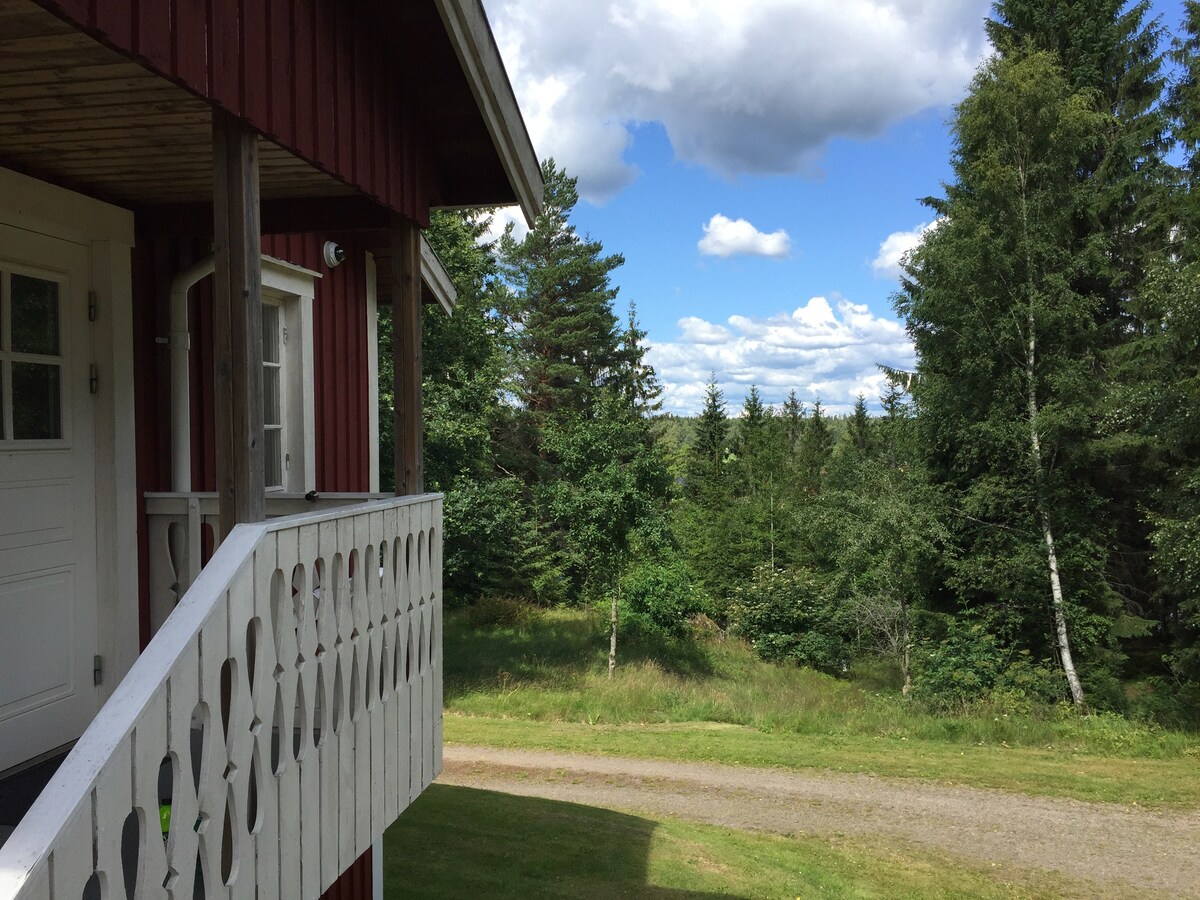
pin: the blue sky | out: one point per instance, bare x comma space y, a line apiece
750, 160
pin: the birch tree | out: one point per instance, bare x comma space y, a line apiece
1007, 345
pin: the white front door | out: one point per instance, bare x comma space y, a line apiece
47, 496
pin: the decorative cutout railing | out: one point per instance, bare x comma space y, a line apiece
283, 716
184, 529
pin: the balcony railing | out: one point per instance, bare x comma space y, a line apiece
184, 530
286, 712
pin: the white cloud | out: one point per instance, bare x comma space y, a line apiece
824, 349
725, 237
895, 247
739, 87
499, 220
697, 331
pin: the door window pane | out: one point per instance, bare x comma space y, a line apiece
270, 323
36, 392
272, 408
34, 311
273, 458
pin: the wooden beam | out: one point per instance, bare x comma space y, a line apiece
279, 216
237, 322
406, 357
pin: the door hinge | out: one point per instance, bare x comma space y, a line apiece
97, 669
92, 305
93, 379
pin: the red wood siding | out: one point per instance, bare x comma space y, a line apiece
339, 361
355, 883
339, 357
319, 77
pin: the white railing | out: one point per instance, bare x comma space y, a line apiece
284, 715
184, 527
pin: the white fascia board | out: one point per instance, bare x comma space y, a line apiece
471, 34
437, 279
288, 277
49, 209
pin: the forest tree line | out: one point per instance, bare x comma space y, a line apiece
1022, 520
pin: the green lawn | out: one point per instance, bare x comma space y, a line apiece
458, 842
543, 684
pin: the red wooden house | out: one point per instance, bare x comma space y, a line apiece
202, 204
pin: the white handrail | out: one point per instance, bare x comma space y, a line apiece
291, 704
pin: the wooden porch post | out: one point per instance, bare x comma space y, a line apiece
406, 357
237, 322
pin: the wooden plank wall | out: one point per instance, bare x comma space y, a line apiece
320, 77
340, 359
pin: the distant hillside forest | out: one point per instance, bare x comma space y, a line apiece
1020, 526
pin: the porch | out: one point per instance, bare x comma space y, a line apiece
294, 700
266, 665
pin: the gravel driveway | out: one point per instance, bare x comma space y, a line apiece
1118, 849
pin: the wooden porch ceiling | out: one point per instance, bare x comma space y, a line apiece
76, 113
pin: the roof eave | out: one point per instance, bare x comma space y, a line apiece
471, 34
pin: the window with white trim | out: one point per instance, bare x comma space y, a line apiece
289, 419
275, 461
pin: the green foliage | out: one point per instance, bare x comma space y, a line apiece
491, 611
789, 615
658, 596
969, 667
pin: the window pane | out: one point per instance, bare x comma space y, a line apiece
2, 416
271, 410
34, 315
37, 412
270, 322
273, 462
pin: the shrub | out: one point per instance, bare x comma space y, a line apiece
970, 666
789, 615
659, 596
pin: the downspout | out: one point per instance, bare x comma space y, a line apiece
180, 342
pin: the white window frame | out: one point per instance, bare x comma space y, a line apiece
63, 359
292, 288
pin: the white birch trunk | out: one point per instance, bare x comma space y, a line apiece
612, 638
1035, 452
1056, 593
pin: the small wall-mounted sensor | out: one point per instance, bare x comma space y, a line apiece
334, 255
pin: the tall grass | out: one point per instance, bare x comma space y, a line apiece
551, 665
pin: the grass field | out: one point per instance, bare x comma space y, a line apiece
459, 842
541, 682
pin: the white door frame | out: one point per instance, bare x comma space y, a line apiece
108, 232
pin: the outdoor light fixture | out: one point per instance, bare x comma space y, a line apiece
334, 254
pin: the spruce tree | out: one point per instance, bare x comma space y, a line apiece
859, 429
793, 418
1007, 346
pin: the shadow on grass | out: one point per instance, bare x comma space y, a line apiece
463, 842
553, 649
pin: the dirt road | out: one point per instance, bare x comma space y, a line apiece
1116, 848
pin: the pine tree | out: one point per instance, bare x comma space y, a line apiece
579, 440
565, 332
